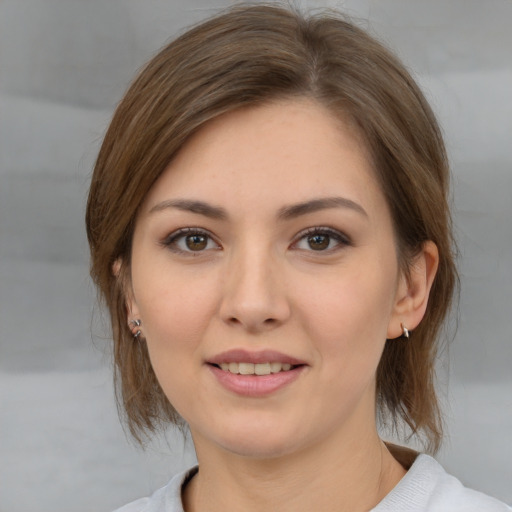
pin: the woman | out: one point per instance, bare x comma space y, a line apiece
269, 228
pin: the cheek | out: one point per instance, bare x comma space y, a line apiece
175, 316
176, 310
348, 314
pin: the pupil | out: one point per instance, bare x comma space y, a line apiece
196, 242
318, 242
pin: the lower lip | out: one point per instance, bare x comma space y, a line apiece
255, 385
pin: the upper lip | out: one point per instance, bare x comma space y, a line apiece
260, 356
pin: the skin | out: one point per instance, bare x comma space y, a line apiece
256, 281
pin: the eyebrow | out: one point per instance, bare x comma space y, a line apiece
285, 213
187, 205
315, 205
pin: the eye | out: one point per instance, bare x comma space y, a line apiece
190, 240
320, 239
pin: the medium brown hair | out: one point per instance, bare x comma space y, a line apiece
249, 55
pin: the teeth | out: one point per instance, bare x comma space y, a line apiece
262, 369
275, 367
255, 369
246, 368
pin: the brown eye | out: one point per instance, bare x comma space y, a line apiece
196, 242
319, 242
322, 240
191, 241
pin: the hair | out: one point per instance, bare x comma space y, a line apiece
249, 55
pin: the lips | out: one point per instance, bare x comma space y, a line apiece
262, 356
255, 373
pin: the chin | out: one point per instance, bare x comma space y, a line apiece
259, 447
254, 439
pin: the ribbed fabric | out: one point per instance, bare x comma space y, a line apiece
425, 488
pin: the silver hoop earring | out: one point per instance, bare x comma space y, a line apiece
134, 327
405, 331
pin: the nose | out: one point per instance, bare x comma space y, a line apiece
254, 295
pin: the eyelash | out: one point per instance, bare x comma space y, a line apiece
172, 240
341, 239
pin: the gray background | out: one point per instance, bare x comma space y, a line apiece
63, 66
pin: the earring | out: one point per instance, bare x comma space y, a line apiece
134, 327
405, 331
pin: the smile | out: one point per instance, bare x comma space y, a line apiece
255, 373
255, 368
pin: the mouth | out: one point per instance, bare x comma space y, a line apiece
255, 373
244, 368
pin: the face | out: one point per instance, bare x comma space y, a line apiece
265, 273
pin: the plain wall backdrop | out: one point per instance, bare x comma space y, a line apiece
63, 66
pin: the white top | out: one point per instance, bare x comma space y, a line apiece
426, 487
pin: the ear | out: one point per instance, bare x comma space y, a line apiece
120, 272
413, 290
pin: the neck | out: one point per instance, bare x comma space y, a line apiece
331, 476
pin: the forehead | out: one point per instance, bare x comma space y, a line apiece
281, 152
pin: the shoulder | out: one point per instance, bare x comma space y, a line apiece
428, 488
166, 499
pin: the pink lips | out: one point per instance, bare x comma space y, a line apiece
255, 385
262, 356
